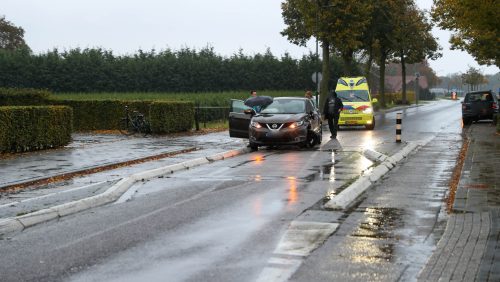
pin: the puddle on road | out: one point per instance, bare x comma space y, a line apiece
379, 223
371, 251
343, 169
340, 161
376, 232
258, 159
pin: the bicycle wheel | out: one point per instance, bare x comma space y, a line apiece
145, 129
142, 126
126, 127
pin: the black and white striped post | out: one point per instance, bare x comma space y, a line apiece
398, 128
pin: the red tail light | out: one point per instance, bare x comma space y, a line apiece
494, 106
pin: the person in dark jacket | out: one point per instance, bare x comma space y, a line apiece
331, 110
253, 94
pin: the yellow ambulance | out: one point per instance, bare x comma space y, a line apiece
358, 103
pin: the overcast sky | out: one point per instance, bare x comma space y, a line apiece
125, 26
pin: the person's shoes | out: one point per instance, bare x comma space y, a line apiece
333, 137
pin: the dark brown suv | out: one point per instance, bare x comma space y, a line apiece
479, 105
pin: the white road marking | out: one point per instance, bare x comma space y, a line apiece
300, 239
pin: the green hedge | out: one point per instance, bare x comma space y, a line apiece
167, 117
102, 115
184, 70
23, 97
29, 128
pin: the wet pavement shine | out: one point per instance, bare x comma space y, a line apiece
470, 247
399, 230
88, 151
391, 232
94, 151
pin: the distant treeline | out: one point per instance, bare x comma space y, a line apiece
186, 70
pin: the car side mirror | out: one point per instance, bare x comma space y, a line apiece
249, 112
374, 100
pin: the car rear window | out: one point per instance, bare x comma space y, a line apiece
478, 97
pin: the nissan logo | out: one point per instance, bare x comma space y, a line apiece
274, 126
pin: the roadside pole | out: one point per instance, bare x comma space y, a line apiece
398, 127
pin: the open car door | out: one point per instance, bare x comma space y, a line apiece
239, 120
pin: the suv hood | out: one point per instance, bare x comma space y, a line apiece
278, 118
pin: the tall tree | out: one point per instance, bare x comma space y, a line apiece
475, 26
384, 13
413, 39
473, 78
336, 24
11, 36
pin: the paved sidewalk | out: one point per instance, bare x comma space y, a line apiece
469, 249
97, 150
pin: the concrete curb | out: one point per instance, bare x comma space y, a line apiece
89, 170
18, 223
348, 195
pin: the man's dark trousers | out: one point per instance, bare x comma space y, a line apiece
333, 125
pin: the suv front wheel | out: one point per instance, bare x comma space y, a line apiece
371, 126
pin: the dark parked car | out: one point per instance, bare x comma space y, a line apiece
479, 105
286, 121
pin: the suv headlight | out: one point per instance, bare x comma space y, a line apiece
368, 110
296, 124
255, 124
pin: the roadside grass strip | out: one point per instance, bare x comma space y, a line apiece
18, 223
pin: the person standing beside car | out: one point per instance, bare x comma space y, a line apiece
253, 94
331, 111
309, 95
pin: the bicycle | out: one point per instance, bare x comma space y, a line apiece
133, 123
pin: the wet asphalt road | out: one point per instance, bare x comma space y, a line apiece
222, 221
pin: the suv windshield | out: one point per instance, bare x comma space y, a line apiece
353, 95
285, 106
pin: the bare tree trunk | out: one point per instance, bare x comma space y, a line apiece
347, 57
325, 73
368, 66
403, 74
383, 58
